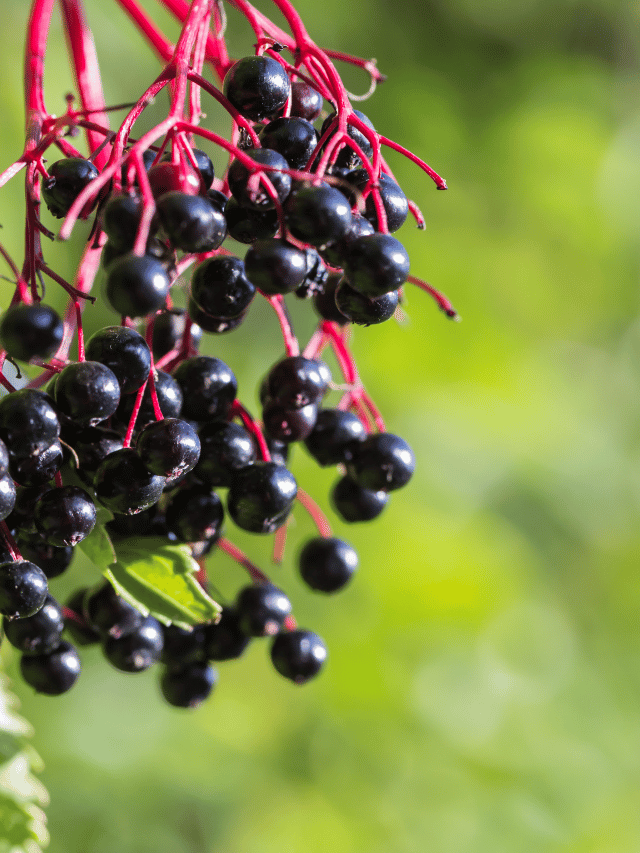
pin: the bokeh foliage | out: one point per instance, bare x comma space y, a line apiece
483, 690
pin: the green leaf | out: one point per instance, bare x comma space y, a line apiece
159, 578
97, 546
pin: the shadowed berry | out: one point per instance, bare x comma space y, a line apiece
30, 331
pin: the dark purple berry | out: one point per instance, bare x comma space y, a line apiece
170, 447
318, 215
306, 102
248, 188
262, 609
195, 514
67, 178
125, 485
87, 392
37, 634
28, 421
65, 516
166, 177
296, 381
257, 86
214, 325
335, 436
294, 138
382, 461
125, 352
53, 673
275, 267
136, 286
261, 497
39, 469
169, 400
298, 655
226, 448
182, 647
208, 386
225, 640
347, 158
363, 310
353, 502
191, 222
120, 220
221, 288
325, 302
376, 264
137, 650
288, 424
52, 560
108, 613
23, 589
327, 564
30, 331
7, 496
168, 331
247, 225
393, 199
188, 686
205, 167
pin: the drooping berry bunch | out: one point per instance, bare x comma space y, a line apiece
140, 449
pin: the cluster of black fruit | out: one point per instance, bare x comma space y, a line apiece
166, 482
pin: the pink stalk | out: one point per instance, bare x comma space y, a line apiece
317, 516
134, 415
239, 411
278, 305
58, 480
79, 330
236, 554
9, 541
441, 300
154, 36
440, 183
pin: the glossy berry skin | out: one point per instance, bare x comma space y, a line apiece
225, 640
352, 502
247, 225
294, 138
37, 634
181, 647
37, 470
166, 177
191, 222
52, 560
138, 650
65, 516
28, 421
120, 220
324, 303
317, 275
226, 448
218, 199
4, 458
393, 199
306, 102
170, 447
188, 686
124, 484
125, 352
288, 425
136, 286
382, 461
67, 178
108, 613
335, 437
221, 288
298, 655
53, 673
208, 386
275, 267
335, 253
21, 518
257, 86
205, 167
30, 331
214, 325
318, 215
376, 264
261, 497
362, 310
347, 158
92, 445
23, 589
279, 451
195, 515
168, 331
7, 496
249, 190
169, 400
296, 381
262, 609
87, 392
327, 564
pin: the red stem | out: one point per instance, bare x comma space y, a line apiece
290, 340
441, 299
10, 542
236, 554
319, 518
134, 415
239, 411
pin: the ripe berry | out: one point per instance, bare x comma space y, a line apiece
92, 445
257, 86
306, 102
334, 253
225, 449
296, 381
195, 515
247, 225
53, 673
88, 392
287, 424
214, 325
324, 302
205, 167
318, 215
52, 560
125, 485
121, 219
188, 686
169, 400
168, 331
67, 178
363, 310
261, 496
393, 199
136, 286
108, 613
294, 138
347, 158
4, 459
7, 496
353, 502
191, 222
382, 461
28, 421
30, 331
209, 388
168, 177
376, 264
221, 288
75, 623
37, 470
327, 565
170, 447
125, 352
225, 640
65, 516
275, 267
37, 634
316, 275
138, 650
23, 589
246, 185
335, 436
262, 609
298, 655
181, 647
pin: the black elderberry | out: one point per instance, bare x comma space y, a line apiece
363, 310
23, 589
221, 288
214, 325
137, 650
287, 424
67, 178
347, 157
169, 399
168, 331
247, 225
318, 215
182, 647
28, 421
53, 673
209, 388
87, 392
136, 286
195, 514
30, 331
39, 469
125, 485
335, 436
262, 609
261, 497
170, 447
125, 352
121, 219
166, 177
316, 276
65, 516
306, 102
296, 381
7, 496
226, 448
205, 167
334, 253
225, 640
257, 86
218, 199
324, 302
21, 517
294, 138
108, 613
275, 267
393, 199
247, 187
353, 502
92, 445
189, 685
75, 623
327, 564
279, 450
51, 559
191, 222
376, 264
382, 461
37, 634
298, 655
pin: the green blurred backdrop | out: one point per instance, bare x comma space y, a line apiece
483, 690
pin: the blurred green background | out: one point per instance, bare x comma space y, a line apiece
483, 689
